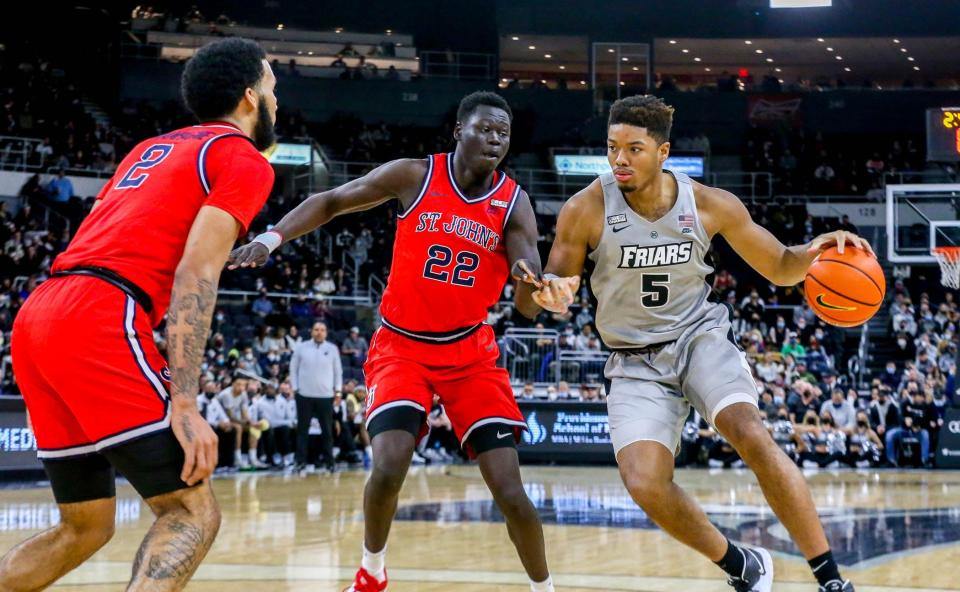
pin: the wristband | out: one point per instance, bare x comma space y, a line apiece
551, 276
270, 239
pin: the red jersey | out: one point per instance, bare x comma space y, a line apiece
140, 227
449, 257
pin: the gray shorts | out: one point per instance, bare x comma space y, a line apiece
651, 393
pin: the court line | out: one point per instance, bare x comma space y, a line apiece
118, 572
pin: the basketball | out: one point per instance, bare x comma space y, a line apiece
845, 289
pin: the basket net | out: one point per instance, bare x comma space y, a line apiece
949, 260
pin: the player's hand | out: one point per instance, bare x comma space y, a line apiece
557, 294
199, 443
522, 271
839, 238
251, 254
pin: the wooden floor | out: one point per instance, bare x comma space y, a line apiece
890, 530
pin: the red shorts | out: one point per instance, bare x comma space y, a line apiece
474, 392
88, 368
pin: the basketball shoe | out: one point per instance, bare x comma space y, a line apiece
364, 582
757, 573
837, 586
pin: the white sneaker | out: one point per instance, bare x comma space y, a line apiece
418, 460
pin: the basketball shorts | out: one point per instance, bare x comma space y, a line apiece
404, 374
651, 393
93, 381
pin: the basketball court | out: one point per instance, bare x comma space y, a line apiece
890, 531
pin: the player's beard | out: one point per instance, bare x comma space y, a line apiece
625, 188
264, 136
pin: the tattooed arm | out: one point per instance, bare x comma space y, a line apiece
188, 325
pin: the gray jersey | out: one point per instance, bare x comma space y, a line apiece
650, 276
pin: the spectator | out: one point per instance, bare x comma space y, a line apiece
354, 348
234, 401
60, 189
262, 306
843, 413
316, 375
527, 392
916, 450
792, 346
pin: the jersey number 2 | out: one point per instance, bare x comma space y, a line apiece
150, 158
440, 256
655, 289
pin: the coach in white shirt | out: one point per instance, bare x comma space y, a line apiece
316, 375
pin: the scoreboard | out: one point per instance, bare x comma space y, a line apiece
943, 134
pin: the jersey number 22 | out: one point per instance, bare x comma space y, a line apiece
440, 257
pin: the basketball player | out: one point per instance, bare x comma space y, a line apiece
648, 231
100, 395
463, 225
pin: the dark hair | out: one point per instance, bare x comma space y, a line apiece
644, 111
469, 104
217, 76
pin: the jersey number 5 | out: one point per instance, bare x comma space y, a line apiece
150, 158
655, 289
440, 256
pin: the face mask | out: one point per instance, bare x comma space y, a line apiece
862, 424
778, 400
783, 417
780, 325
891, 370
902, 342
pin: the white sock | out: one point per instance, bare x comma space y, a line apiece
237, 456
544, 586
253, 456
374, 562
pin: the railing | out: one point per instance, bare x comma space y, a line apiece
582, 367
904, 177
246, 295
20, 154
528, 354
459, 65
744, 184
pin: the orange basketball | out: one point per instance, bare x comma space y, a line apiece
845, 290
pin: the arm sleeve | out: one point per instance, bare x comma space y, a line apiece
294, 368
240, 179
337, 370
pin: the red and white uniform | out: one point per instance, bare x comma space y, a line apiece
83, 349
449, 267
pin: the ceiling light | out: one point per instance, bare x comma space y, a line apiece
769, 60
338, 30
903, 49
706, 69
820, 39
531, 47
610, 50
622, 83
777, 70
910, 58
583, 82
839, 57
503, 80
547, 55
780, 80
635, 69
847, 69
543, 81
896, 41
563, 67
515, 38
696, 59
673, 42
759, 50
685, 50
748, 42
280, 27
917, 68
625, 59
829, 49
389, 31
309, 53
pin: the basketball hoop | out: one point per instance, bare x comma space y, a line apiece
949, 260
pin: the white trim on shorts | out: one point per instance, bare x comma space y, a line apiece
130, 333
488, 421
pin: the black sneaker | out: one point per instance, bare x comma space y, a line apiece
837, 586
757, 573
